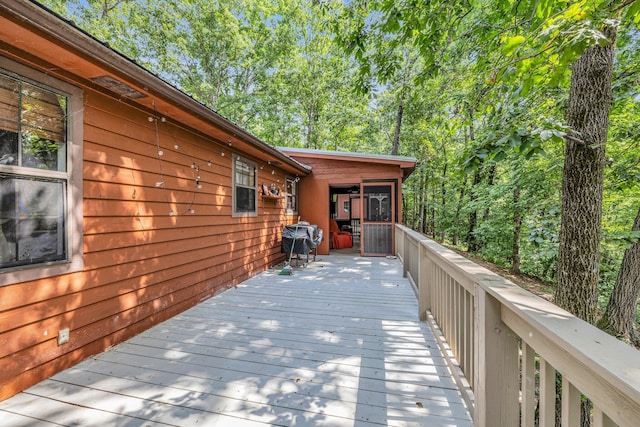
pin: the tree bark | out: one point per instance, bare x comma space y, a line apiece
432, 222
456, 218
443, 194
582, 180
517, 227
620, 316
490, 181
420, 202
395, 144
309, 135
472, 241
416, 201
425, 205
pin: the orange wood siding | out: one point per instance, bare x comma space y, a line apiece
314, 189
141, 265
313, 209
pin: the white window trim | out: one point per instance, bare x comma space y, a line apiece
254, 165
74, 214
296, 195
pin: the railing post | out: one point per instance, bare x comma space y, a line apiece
496, 358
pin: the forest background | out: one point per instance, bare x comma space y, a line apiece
476, 91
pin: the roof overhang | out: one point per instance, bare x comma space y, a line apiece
407, 164
32, 34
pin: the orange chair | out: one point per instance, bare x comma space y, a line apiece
339, 239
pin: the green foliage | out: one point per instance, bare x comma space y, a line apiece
483, 85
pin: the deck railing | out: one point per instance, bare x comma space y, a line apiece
513, 347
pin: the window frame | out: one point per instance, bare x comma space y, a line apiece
72, 177
295, 196
234, 208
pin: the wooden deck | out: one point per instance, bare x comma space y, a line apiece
336, 344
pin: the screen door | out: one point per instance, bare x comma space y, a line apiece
377, 218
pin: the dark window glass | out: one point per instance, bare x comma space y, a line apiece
245, 199
32, 215
244, 186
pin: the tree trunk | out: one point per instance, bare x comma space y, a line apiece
517, 227
620, 316
456, 218
472, 241
395, 144
490, 181
425, 205
416, 201
443, 195
309, 135
420, 202
432, 221
582, 180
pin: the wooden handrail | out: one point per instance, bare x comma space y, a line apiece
509, 344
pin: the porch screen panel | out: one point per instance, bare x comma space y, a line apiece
377, 238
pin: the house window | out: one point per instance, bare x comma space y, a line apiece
39, 216
244, 187
292, 195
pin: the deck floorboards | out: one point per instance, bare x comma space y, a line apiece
336, 344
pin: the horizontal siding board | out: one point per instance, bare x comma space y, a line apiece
123, 150
41, 291
95, 243
174, 176
107, 301
220, 223
163, 255
328, 169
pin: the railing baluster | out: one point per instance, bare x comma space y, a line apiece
570, 404
528, 385
438, 289
446, 312
468, 336
547, 412
457, 313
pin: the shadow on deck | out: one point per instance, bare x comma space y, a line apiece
336, 344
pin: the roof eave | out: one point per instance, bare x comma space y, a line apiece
407, 164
